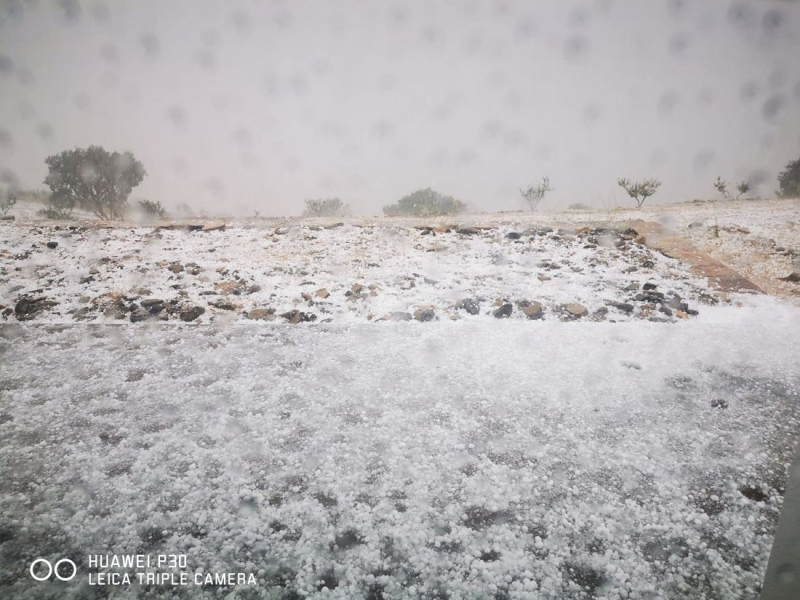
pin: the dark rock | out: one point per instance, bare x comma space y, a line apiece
222, 305
52, 245
649, 286
27, 308
295, 316
504, 311
261, 314
471, 305
792, 277
467, 231
719, 403
425, 314
622, 306
190, 313
513, 235
151, 302
665, 309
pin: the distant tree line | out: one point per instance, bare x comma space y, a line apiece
100, 181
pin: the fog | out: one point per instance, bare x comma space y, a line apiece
242, 106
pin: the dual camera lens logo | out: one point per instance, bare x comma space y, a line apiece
53, 569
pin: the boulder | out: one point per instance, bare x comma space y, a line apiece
190, 313
504, 311
471, 305
261, 314
532, 310
576, 310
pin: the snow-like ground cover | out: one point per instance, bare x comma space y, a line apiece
469, 459
350, 273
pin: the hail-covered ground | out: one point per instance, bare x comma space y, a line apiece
512, 412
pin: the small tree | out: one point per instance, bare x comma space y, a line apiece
7, 201
425, 203
743, 187
534, 194
94, 179
639, 190
152, 209
789, 180
722, 187
325, 207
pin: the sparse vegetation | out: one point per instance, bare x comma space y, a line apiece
325, 207
534, 194
94, 179
152, 209
639, 190
425, 203
789, 180
184, 211
722, 187
7, 201
578, 206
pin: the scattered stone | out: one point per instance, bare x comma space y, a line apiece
471, 305
467, 231
504, 311
52, 245
213, 227
261, 314
621, 306
695, 225
576, 310
719, 403
190, 313
27, 308
322, 293
542, 277
513, 235
175, 267
649, 286
221, 305
357, 287
532, 310
295, 316
425, 314
400, 316
151, 302
793, 277
640, 239
681, 315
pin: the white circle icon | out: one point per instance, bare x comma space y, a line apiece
51, 569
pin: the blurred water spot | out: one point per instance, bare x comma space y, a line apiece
758, 177
667, 102
748, 91
6, 66
742, 16
772, 20
6, 140
69, 11
110, 54
242, 136
205, 58
576, 48
177, 115
82, 101
241, 21
772, 107
26, 110
678, 43
151, 44
45, 131
703, 159
100, 11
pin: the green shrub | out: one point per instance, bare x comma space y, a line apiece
425, 203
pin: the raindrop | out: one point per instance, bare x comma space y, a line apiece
151, 44
772, 21
6, 66
748, 91
82, 102
703, 159
45, 131
204, 58
772, 107
242, 136
592, 112
678, 43
741, 16
667, 103
241, 21
177, 115
101, 12
69, 10
575, 48
110, 54
6, 141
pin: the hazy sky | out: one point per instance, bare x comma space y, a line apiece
233, 106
